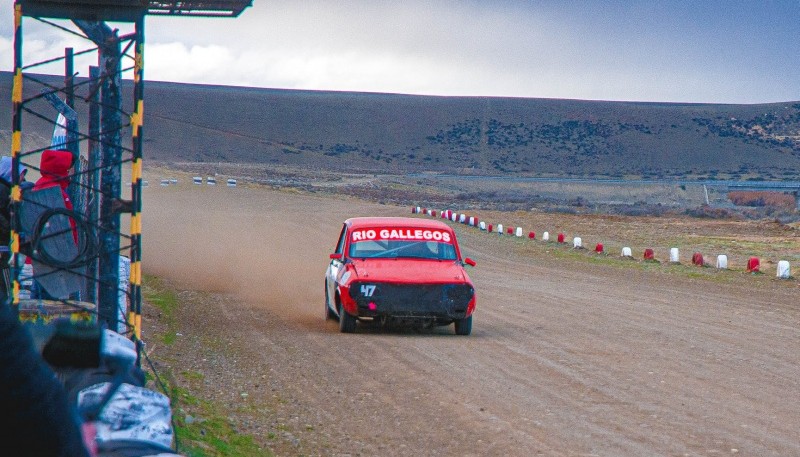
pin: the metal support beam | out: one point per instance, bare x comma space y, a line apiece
69, 76
137, 121
110, 54
93, 178
110, 180
132, 10
72, 128
16, 149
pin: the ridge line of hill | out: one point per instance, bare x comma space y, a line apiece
397, 133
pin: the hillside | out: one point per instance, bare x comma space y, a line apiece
471, 135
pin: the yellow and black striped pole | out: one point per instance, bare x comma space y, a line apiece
16, 149
137, 118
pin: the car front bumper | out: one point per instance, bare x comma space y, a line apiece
440, 301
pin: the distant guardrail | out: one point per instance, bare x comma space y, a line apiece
765, 185
781, 185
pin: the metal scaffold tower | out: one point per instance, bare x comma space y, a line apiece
81, 261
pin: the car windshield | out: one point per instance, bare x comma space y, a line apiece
435, 250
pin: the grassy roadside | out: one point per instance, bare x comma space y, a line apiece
610, 257
202, 428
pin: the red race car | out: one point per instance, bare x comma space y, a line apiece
399, 270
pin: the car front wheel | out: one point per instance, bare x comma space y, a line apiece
463, 326
347, 323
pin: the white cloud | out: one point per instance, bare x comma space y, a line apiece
177, 62
6, 53
589, 50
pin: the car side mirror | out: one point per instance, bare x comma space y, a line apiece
470, 262
337, 256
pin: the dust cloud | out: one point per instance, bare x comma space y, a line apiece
266, 247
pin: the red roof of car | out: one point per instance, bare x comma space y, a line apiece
364, 222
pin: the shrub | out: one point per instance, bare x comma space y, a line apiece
762, 198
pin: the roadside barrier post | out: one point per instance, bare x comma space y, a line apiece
784, 269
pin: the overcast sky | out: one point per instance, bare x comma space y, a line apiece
718, 51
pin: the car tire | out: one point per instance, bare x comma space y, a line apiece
347, 323
329, 314
463, 326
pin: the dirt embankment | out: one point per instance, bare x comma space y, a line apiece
567, 357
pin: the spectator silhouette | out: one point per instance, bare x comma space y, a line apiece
5, 220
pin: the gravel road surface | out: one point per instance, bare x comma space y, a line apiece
566, 357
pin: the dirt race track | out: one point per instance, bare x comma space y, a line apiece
566, 357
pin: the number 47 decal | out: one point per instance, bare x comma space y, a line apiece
367, 290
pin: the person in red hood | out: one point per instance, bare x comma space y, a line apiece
55, 166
